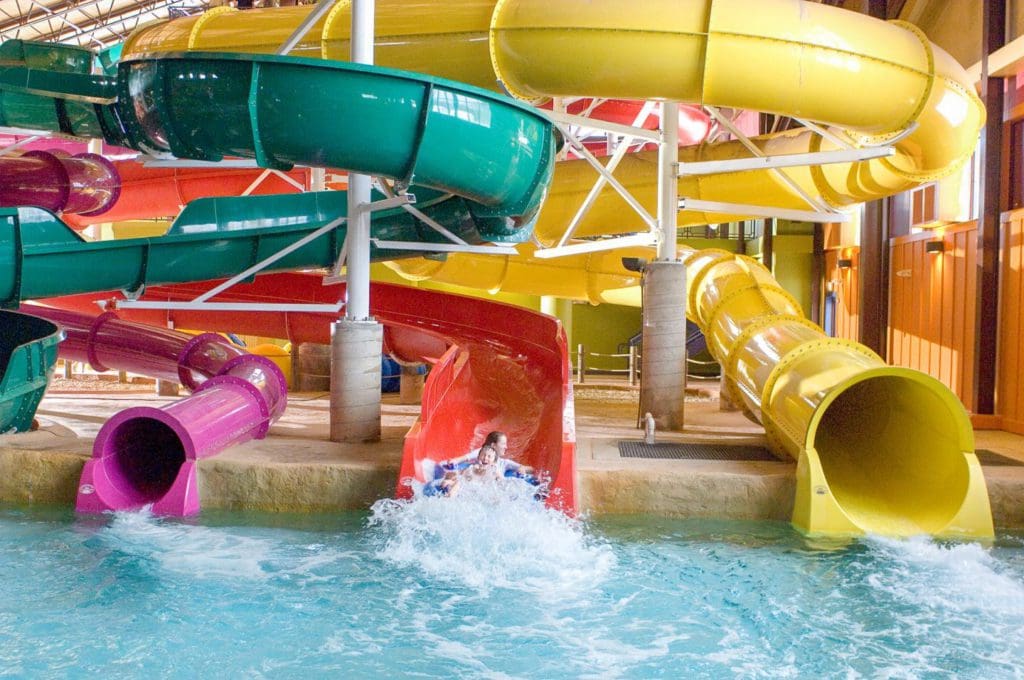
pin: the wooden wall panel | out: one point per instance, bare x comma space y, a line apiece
1009, 385
931, 309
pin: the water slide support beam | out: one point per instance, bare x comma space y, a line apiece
357, 340
629, 134
668, 187
322, 7
785, 161
745, 141
358, 308
635, 204
17, 145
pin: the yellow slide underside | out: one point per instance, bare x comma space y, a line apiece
879, 449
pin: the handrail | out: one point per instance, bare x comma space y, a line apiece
632, 369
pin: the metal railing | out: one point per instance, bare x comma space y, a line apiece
750, 229
584, 364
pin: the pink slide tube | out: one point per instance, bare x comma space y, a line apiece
83, 184
146, 455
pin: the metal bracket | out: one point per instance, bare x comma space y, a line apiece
392, 201
605, 172
383, 187
134, 294
399, 201
201, 302
606, 126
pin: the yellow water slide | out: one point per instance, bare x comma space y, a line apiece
879, 449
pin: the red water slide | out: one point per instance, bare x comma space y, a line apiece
496, 366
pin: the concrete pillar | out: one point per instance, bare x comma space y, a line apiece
410, 385
663, 364
312, 368
355, 380
293, 379
167, 388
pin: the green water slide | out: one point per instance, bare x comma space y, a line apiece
28, 352
491, 152
212, 238
477, 163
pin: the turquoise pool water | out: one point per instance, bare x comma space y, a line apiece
481, 587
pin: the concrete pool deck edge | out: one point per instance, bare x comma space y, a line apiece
296, 469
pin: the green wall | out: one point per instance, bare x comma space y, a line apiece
793, 254
794, 263
601, 328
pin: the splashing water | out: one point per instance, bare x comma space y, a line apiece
491, 534
490, 583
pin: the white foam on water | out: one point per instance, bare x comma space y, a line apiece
743, 658
944, 597
956, 578
204, 552
492, 534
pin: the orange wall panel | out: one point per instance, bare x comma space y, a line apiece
931, 306
1009, 386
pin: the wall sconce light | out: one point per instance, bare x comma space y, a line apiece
934, 247
845, 263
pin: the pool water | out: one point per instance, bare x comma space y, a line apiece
484, 586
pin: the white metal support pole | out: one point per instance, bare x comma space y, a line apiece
17, 145
663, 361
668, 180
358, 279
356, 340
318, 180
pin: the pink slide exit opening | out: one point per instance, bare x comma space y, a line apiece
146, 455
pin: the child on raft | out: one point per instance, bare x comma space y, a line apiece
486, 462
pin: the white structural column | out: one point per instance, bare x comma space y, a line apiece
318, 179
668, 181
663, 362
356, 340
358, 308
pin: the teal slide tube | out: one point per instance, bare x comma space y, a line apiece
282, 111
